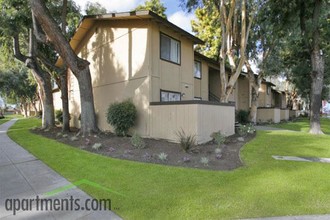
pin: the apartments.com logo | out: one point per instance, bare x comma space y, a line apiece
61, 204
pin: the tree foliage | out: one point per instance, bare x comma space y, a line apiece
155, 6
17, 84
95, 8
207, 28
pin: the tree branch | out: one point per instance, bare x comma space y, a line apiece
40, 36
17, 51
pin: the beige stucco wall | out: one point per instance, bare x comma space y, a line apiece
265, 100
170, 76
57, 100
119, 56
201, 86
293, 113
243, 93
269, 114
194, 119
285, 114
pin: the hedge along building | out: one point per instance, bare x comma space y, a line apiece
141, 56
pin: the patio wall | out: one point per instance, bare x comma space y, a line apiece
294, 114
200, 118
285, 113
269, 114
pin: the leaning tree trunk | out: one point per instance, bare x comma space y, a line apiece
64, 79
42, 78
46, 96
317, 74
78, 66
65, 101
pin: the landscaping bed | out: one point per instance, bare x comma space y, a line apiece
157, 151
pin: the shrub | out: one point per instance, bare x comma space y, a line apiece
205, 161
218, 150
162, 156
122, 116
137, 141
186, 141
242, 116
59, 115
97, 146
218, 138
243, 130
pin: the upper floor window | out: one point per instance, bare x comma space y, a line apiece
170, 49
197, 70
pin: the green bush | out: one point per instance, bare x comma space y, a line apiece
242, 116
59, 115
122, 116
244, 130
137, 141
186, 141
219, 138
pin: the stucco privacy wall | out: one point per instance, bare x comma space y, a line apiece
265, 97
166, 119
243, 93
119, 62
285, 114
269, 114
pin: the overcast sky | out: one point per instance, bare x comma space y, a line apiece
174, 11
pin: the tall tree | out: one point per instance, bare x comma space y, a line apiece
78, 66
94, 8
155, 6
235, 18
207, 27
308, 16
15, 84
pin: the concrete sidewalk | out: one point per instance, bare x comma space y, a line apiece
23, 176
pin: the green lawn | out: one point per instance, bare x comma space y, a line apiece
9, 117
302, 124
263, 187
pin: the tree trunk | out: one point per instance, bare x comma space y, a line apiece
254, 106
64, 79
316, 96
317, 74
65, 101
35, 108
42, 78
78, 66
46, 97
87, 102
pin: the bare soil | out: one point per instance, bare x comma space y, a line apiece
121, 147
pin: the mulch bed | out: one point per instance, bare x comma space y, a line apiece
121, 148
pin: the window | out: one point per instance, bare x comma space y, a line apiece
170, 49
167, 96
197, 70
269, 90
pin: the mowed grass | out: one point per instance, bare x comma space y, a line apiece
8, 118
263, 187
302, 124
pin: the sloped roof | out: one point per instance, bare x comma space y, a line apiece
88, 21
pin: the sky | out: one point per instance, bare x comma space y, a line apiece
174, 12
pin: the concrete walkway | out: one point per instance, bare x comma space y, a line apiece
23, 176
269, 128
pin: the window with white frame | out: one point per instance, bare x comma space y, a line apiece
168, 96
197, 70
170, 49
